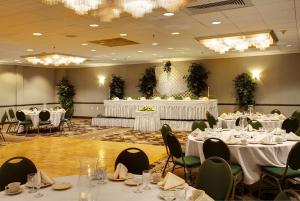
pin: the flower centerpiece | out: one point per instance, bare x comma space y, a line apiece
147, 108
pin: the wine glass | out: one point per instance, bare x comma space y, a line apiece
138, 180
146, 179
37, 185
30, 183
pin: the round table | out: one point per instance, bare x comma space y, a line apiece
147, 121
250, 157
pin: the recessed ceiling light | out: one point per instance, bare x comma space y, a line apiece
123, 34
93, 50
155, 44
94, 25
37, 34
175, 33
17, 60
140, 51
216, 22
289, 45
170, 48
168, 14
84, 44
29, 50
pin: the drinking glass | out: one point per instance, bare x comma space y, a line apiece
30, 183
139, 180
146, 179
37, 185
180, 194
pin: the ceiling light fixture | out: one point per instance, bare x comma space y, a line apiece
84, 44
94, 25
93, 50
155, 44
37, 34
222, 44
123, 34
140, 51
175, 33
170, 48
56, 59
168, 14
29, 50
107, 10
216, 23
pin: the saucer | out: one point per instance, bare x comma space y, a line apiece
130, 182
110, 177
167, 194
14, 193
61, 186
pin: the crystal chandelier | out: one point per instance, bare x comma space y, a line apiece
56, 59
240, 43
109, 9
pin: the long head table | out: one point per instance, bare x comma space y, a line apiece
168, 109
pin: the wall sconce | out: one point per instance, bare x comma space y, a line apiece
256, 74
101, 80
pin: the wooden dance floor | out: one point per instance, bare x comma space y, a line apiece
60, 156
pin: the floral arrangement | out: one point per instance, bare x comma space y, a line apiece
147, 108
167, 67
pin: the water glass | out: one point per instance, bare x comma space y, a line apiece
180, 194
30, 183
146, 179
37, 185
139, 180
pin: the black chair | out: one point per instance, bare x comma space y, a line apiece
44, 116
199, 124
216, 147
67, 119
287, 195
12, 121
16, 170
134, 159
177, 156
255, 124
57, 108
211, 119
23, 121
275, 111
291, 124
3, 121
296, 115
237, 121
165, 129
33, 108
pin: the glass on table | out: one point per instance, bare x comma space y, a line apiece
181, 194
138, 180
37, 184
146, 179
30, 183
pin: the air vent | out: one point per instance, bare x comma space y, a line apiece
114, 42
208, 6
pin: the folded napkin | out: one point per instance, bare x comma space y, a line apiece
232, 140
157, 98
292, 137
187, 98
267, 140
199, 195
142, 98
171, 98
42, 179
203, 98
195, 132
120, 172
116, 98
129, 98
223, 116
171, 181
276, 131
281, 117
249, 128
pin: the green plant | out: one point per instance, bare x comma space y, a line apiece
65, 92
167, 67
196, 80
116, 87
245, 87
147, 82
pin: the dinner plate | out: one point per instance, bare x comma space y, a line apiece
165, 195
28, 185
14, 193
61, 186
269, 143
130, 182
111, 177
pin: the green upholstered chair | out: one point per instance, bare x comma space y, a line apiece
256, 124
67, 119
165, 129
215, 178
211, 119
296, 115
275, 111
199, 124
291, 124
27, 123
287, 195
281, 174
44, 116
216, 147
237, 121
178, 158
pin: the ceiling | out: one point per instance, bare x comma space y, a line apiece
20, 18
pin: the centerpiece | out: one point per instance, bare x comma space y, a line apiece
147, 108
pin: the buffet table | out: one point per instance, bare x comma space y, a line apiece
168, 109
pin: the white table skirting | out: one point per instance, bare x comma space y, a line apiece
250, 157
168, 109
55, 117
147, 121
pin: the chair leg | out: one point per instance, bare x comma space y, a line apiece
165, 167
262, 176
184, 173
173, 168
2, 136
8, 128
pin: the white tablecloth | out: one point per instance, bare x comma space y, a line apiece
168, 109
111, 191
250, 157
267, 124
55, 116
147, 121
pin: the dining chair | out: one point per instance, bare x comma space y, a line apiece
67, 119
33, 108
178, 157
199, 124
211, 119
275, 111
256, 124
287, 195
23, 121
291, 124
12, 121
216, 147
215, 178
237, 121
296, 115
165, 129
44, 117
281, 174
3, 121
135, 160
15, 169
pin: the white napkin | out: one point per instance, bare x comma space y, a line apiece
129, 98
249, 128
203, 98
199, 195
195, 132
267, 140
116, 98
292, 137
201, 136
142, 98
171, 98
276, 131
157, 98
223, 116
232, 140
120, 172
171, 181
42, 179
281, 117
187, 98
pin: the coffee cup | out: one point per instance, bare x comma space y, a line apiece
13, 187
244, 141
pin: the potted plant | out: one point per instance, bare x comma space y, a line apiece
65, 92
116, 87
147, 82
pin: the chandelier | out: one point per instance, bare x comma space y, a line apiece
56, 59
110, 9
259, 40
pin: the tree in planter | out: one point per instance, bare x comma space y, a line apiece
116, 87
245, 87
196, 80
65, 92
147, 82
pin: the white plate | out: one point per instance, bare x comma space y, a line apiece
14, 193
111, 177
61, 186
166, 194
130, 182
42, 186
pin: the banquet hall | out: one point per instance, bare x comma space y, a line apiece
186, 100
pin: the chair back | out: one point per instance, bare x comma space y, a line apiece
69, 113
256, 124
20, 115
174, 145
275, 111
165, 129
290, 125
44, 115
16, 170
4, 118
296, 115
32, 108
11, 114
211, 119
216, 147
293, 157
57, 108
134, 159
215, 178
199, 124
237, 121
287, 195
